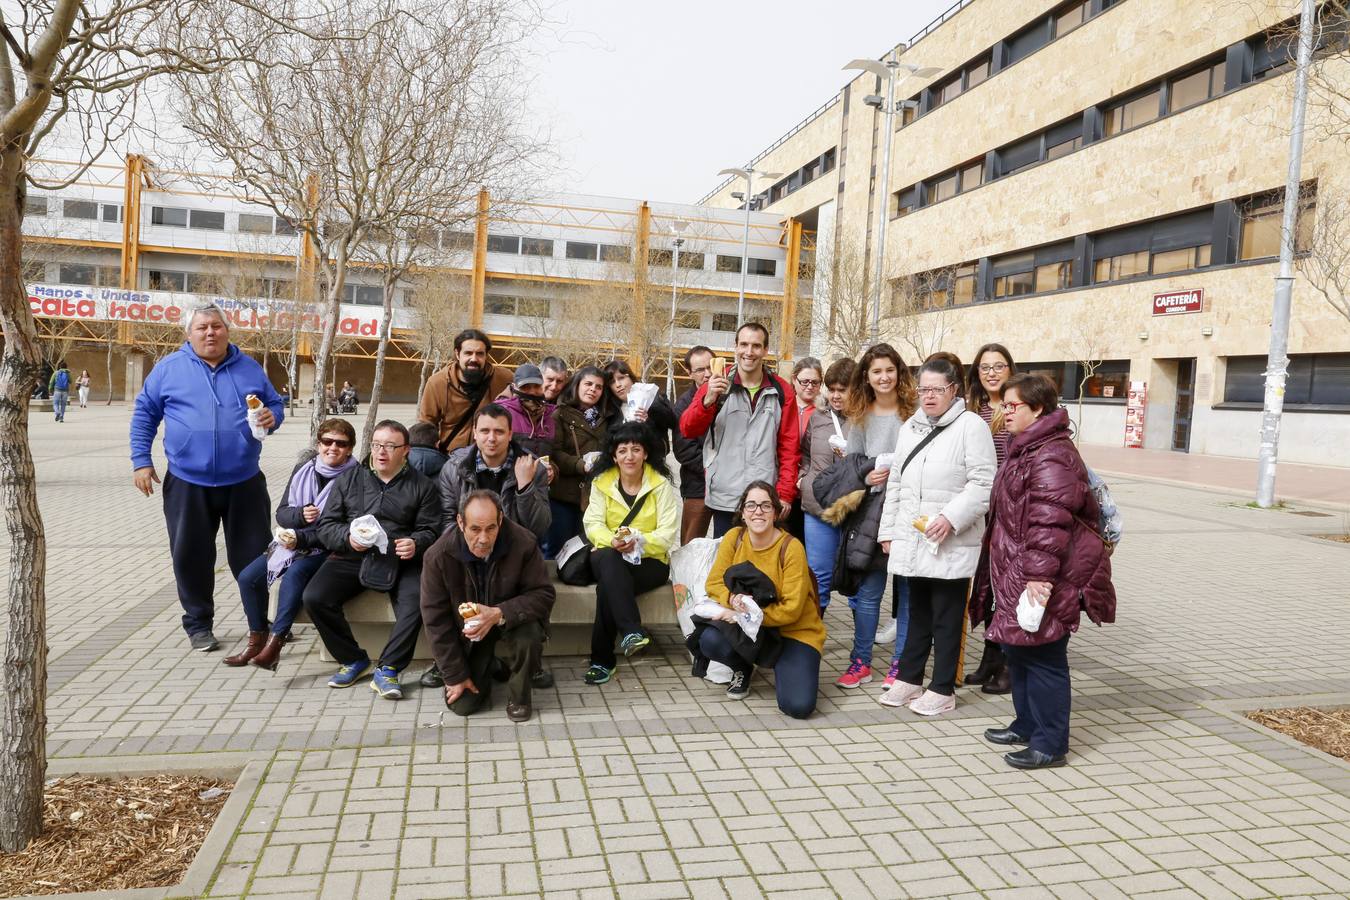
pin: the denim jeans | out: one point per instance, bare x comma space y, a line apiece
822, 544
796, 675
1041, 694
253, 591
565, 525
60, 399
866, 605
900, 603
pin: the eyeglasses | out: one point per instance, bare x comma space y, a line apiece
1013, 406
342, 443
762, 506
934, 391
993, 369
809, 382
377, 446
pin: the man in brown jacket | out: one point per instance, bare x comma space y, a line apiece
455, 393
491, 562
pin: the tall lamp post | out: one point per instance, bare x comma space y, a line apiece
677, 232
887, 72
1277, 362
748, 174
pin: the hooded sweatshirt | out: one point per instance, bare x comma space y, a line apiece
206, 434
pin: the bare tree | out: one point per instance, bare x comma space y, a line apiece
441, 304
1086, 344
1326, 264
841, 309
919, 305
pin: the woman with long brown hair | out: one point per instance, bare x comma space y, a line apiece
990, 371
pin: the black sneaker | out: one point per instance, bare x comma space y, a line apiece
431, 678
204, 642
739, 688
698, 666
543, 679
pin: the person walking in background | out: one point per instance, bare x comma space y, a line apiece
822, 444
631, 522
1042, 540
82, 383
297, 552
880, 398
750, 418
579, 439
931, 526
990, 371
200, 392
59, 387
556, 378
807, 377
454, 394
695, 517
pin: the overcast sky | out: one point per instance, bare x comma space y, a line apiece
649, 101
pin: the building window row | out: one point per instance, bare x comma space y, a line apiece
522, 307
1107, 380
1231, 231
1243, 63
1314, 379
799, 179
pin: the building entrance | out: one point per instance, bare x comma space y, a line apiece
1185, 406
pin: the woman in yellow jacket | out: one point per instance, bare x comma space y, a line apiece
796, 615
628, 559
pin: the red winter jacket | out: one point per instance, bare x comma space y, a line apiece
1043, 527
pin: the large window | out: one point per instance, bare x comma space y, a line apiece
1014, 275
362, 294
207, 219
503, 243
168, 215
1182, 260
694, 260
582, 250
112, 212
161, 280
1109, 381
34, 206
79, 209
1196, 87
943, 188
977, 72
1132, 113
727, 263
76, 273
1118, 268
724, 322
251, 223
526, 307
963, 284
536, 247
1054, 276
1321, 379
763, 267
616, 253
1261, 222
1067, 20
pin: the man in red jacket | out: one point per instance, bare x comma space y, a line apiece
751, 422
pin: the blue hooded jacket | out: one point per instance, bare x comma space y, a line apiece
206, 433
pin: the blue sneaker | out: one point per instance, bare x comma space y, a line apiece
597, 674
633, 643
348, 674
385, 683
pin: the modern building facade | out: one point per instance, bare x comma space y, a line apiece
1098, 185
582, 277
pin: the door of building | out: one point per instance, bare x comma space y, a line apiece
1181, 420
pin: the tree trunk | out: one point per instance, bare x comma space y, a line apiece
107, 360
23, 710
373, 404
422, 376
333, 312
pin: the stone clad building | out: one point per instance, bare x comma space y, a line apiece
1100, 182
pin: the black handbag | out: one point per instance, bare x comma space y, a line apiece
574, 557
379, 571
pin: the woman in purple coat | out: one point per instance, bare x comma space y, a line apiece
1043, 539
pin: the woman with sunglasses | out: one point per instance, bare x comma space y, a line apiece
297, 553
991, 370
1042, 541
795, 613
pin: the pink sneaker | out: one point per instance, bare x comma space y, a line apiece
891, 674
858, 672
900, 694
931, 704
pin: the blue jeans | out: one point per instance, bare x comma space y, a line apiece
60, 399
565, 525
866, 604
1041, 694
822, 545
900, 603
253, 591
796, 675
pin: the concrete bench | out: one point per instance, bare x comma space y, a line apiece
371, 615
40, 404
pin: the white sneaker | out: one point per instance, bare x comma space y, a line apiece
886, 634
899, 694
931, 704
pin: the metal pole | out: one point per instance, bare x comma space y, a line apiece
883, 203
670, 353
1277, 363
745, 250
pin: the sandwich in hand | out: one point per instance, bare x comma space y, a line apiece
468, 610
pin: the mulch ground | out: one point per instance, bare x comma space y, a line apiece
104, 834
1326, 729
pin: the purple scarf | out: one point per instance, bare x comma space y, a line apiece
303, 491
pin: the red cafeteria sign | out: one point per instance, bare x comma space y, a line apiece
1178, 302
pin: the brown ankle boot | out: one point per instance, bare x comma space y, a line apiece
256, 639
268, 657
1000, 682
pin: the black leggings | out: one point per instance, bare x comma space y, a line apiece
936, 606
617, 584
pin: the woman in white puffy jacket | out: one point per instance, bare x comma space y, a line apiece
932, 526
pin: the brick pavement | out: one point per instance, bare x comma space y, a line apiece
657, 786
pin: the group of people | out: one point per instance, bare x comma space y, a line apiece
845, 478
58, 387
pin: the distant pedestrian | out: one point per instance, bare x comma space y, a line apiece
200, 392
59, 387
83, 384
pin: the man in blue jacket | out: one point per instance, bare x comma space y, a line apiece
199, 392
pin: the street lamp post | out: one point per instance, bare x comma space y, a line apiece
887, 73
748, 174
677, 231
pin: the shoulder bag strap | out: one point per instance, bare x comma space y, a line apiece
928, 439
633, 510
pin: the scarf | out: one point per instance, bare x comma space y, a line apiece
592, 415
304, 491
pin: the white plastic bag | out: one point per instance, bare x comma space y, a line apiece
689, 568
640, 396
251, 416
1029, 614
634, 557
366, 531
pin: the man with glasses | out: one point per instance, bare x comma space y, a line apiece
405, 504
200, 392
696, 517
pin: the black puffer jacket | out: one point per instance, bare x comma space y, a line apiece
848, 503
407, 507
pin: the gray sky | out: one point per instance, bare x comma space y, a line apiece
649, 100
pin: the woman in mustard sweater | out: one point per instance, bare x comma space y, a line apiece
796, 614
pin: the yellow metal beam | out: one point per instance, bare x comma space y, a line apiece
131, 221
787, 329
644, 229
479, 282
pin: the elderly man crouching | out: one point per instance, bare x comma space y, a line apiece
494, 564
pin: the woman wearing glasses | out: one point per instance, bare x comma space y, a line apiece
296, 554
794, 612
991, 370
932, 524
807, 376
1043, 541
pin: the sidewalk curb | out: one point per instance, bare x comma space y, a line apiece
1220, 489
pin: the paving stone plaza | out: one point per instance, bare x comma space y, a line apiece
656, 785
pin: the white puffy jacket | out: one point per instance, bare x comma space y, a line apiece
951, 477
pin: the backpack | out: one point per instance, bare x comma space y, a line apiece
1110, 523
63, 380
